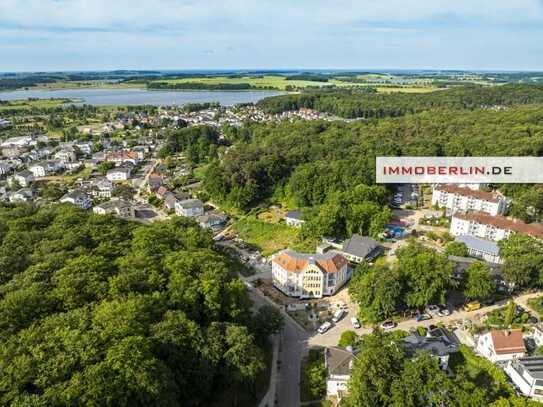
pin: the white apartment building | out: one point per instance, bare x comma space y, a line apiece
457, 198
527, 375
485, 226
309, 275
118, 174
189, 207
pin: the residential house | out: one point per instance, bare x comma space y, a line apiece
481, 248
119, 174
309, 275
211, 220
13, 151
161, 192
483, 225
5, 167
23, 178
21, 141
501, 345
44, 168
294, 218
154, 181
189, 208
537, 334
66, 154
338, 363
356, 249
527, 375
22, 195
456, 198
77, 198
119, 207
438, 342
102, 188
85, 148
171, 198
123, 156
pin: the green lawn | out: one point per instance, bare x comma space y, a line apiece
28, 104
267, 237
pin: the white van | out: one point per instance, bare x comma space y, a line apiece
338, 315
324, 327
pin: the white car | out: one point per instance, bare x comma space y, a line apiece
324, 327
355, 323
388, 325
432, 309
338, 315
444, 312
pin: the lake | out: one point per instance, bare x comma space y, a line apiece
104, 97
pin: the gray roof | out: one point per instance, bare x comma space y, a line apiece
191, 203
25, 173
75, 195
114, 203
338, 360
359, 246
120, 169
479, 244
311, 256
438, 343
532, 364
294, 215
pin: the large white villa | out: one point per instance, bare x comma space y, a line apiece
309, 275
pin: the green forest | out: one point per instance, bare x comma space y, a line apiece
368, 104
95, 310
328, 168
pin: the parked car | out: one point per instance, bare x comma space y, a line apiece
472, 306
355, 323
444, 312
338, 315
432, 309
324, 327
388, 325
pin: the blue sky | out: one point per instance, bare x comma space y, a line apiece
211, 34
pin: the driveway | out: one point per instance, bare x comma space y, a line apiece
331, 337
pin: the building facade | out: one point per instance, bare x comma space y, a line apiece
457, 198
309, 275
495, 228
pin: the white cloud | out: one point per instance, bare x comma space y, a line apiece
138, 14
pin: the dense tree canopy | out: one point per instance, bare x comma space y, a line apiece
523, 260
305, 163
99, 311
384, 375
361, 103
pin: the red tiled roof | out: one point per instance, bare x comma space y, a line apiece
295, 263
508, 341
465, 191
501, 222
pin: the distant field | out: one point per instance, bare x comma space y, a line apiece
281, 83
86, 85
26, 104
272, 81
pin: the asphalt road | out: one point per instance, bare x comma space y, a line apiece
293, 342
